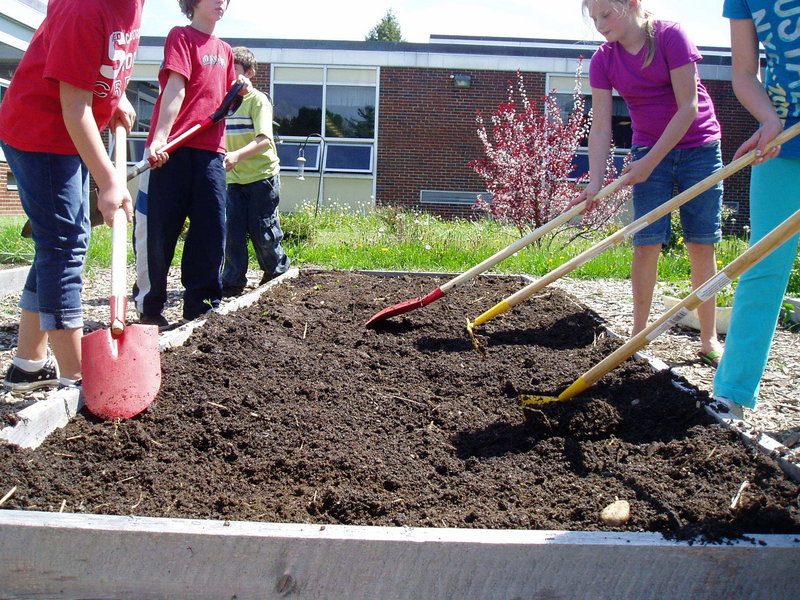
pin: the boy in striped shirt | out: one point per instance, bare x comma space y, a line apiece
253, 187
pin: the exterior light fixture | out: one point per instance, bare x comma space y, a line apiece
462, 81
301, 164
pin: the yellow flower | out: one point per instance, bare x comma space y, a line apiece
384, 249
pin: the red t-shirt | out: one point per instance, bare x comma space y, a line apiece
90, 44
207, 64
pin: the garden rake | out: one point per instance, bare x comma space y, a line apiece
566, 216
774, 239
622, 234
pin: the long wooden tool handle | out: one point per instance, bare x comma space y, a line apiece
119, 234
774, 239
633, 227
529, 238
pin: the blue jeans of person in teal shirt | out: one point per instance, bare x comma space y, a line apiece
774, 197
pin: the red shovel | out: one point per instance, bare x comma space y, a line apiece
229, 105
122, 364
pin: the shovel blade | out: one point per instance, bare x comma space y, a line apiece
392, 311
404, 307
121, 374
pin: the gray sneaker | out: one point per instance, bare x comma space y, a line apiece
20, 381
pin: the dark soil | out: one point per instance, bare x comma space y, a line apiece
293, 411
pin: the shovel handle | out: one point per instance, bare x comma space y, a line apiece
774, 239
633, 227
229, 105
534, 235
119, 234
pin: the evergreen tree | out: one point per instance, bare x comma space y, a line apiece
387, 30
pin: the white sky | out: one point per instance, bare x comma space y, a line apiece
352, 19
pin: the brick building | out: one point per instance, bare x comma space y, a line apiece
387, 123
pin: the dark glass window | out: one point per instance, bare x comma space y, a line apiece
289, 151
350, 112
349, 157
143, 95
620, 118
298, 108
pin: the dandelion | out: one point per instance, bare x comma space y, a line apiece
384, 249
427, 246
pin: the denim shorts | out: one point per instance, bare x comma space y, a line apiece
681, 168
54, 192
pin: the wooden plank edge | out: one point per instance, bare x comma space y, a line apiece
52, 555
37, 421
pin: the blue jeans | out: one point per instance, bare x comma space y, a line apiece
190, 185
774, 197
54, 192
252, 210
680, 169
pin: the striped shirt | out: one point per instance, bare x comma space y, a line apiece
253, 118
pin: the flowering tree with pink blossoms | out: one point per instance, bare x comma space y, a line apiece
529, 156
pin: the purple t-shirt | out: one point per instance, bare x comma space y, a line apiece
648, 92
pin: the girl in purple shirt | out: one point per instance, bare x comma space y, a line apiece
651, 64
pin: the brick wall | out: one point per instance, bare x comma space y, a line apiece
737, 125
9, 199
427, 132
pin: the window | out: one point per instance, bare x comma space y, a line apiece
622, 134
347, 97
143, 95
4, 83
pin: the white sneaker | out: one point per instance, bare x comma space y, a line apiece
727, 408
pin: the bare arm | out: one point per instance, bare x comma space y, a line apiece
171, 101
76, 109
684, 86
259, 144
750, 91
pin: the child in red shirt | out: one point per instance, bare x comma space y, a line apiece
68, 87
195, 75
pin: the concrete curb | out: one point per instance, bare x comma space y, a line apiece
12, 280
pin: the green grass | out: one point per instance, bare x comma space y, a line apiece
390, 239
397, 240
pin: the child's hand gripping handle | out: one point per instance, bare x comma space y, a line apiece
228, 106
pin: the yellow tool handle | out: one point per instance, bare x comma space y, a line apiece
735, 268
534, 235
119, 234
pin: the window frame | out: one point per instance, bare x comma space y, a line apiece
4, 83
325, 82
582, 154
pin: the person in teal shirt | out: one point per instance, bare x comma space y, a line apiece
774, 189
253, 187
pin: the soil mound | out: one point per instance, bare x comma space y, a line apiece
292, 411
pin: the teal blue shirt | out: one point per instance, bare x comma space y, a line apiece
778, 30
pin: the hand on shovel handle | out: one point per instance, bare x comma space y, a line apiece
774, 239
